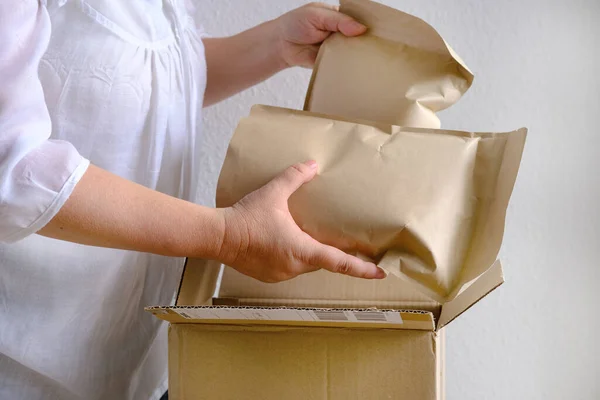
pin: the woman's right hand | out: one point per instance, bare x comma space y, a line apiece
257, 236
262, 240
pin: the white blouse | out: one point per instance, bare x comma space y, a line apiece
119, 84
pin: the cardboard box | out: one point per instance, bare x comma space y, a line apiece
297, 341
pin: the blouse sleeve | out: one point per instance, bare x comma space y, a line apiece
37, 175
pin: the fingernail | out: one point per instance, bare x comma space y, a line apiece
358, 26
380, 274
312, 164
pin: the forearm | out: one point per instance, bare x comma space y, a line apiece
238, 62
105, 210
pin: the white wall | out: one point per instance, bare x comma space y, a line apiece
536, 64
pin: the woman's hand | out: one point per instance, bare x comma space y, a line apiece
302, 31
257, 236
262, 240
235, 63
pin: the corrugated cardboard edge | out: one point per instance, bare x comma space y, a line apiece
345, 4
485, 284
411, 320
434, 308
198, 282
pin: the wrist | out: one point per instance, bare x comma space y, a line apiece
277, 44
233, 239
206, 233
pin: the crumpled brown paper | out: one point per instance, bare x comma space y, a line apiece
426, 205
400, 72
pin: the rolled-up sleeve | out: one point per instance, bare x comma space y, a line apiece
37, 175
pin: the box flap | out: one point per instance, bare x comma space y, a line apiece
198, 282
477, 290
320, 290
289, 316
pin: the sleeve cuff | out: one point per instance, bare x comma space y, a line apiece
54, 207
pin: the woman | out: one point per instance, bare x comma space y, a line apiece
100, 111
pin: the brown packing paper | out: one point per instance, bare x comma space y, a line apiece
428, 205
400, 72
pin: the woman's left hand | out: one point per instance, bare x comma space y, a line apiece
301, 31
235, 63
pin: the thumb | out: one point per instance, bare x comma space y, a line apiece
335, 21
292, 178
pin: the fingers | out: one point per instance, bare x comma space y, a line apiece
334, 260
350, 27
292, 178
334, 21
324, 5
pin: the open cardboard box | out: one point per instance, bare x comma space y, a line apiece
305, 340
323, 336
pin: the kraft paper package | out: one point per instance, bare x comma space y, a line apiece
400, 72
426, 205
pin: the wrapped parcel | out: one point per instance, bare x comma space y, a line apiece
426, 205
400, 72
